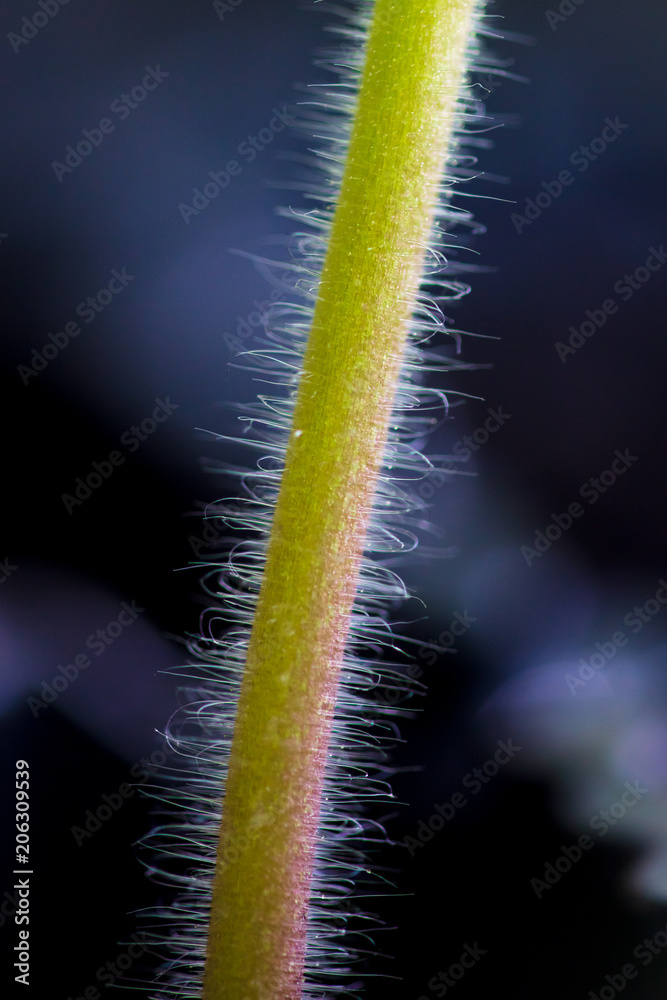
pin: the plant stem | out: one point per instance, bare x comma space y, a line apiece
402, 133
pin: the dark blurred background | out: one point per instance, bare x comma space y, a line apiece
562, 650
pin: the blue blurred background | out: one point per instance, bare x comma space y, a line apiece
562, 650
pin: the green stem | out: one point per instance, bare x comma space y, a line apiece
402, 133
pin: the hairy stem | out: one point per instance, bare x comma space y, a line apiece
414, 66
